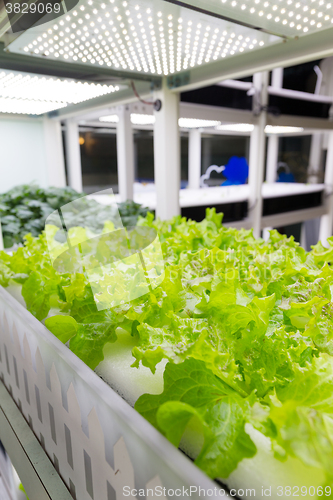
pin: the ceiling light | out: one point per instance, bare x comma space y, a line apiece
196, 123
142, 119
109, 119
36, 94
236, 127
196, 46
28, 107
130, 24
248, 127
278, 129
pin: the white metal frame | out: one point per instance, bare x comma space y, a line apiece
194, 158
326, 222
188, 110
167, 154
257, 150
273, 140
54, 153
73, 155
125, 154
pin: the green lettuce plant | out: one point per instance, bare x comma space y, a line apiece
245, 326
24, 210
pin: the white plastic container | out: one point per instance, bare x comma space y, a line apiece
7, 484
101, 447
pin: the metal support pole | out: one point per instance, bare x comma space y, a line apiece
277, 78
302, 241
194, 158
272, 158
326, 221
273, 140
73, 155
125, 154
314, 168
1, 239
257, 151
54, 150
324, 87
167, 154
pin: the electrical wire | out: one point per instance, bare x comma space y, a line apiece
157, 103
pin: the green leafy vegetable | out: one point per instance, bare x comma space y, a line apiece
63, 327
191, 390
24, 209
36, 292
246, 327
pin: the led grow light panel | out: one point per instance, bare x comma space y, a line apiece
269, 129
36, 94
236, 127
151, 36
26, 107
279, 129
282, 17
144, 119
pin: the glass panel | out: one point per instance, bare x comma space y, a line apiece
217, 150
99, 161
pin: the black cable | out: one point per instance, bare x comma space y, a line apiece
157, 104
273, 110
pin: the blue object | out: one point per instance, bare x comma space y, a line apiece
285, 177
236, 171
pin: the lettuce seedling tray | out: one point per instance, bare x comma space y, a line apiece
100, 446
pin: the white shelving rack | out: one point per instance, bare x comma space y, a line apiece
170, 47
165, 47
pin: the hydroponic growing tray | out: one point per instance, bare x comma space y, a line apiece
97, 442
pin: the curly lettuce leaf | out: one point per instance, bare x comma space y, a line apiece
90, 340
302, 415
85, 340
256, 315
63, 327
193, 391
36, 291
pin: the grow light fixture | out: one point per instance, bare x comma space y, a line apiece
109, 119
136, 119
144, 119
236, 127
276, 129
36, 94
26, 107
285, 17
150, 36
269, 129
197, 123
